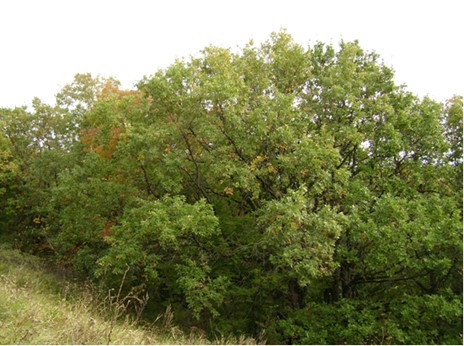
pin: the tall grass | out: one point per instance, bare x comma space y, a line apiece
38, 308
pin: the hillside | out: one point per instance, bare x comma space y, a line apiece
37, 307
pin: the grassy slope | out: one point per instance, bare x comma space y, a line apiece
37, 308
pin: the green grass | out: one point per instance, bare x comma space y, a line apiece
36, 307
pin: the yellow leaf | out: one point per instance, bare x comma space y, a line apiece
229, 191
257, 160
271, 169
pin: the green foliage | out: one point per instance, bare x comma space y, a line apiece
301, 242
407, 320
9, 171
169, 242
279, 188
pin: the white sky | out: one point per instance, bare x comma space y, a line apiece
44, 43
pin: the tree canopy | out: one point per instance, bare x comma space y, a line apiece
296, 192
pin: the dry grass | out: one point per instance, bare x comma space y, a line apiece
36, 308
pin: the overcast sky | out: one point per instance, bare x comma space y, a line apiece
44, 43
